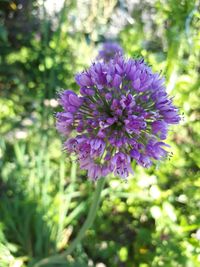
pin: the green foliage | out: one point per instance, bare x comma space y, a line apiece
150, 221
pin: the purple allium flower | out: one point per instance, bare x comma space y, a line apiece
109, 51
121, 115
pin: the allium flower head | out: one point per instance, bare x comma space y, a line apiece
109, 51
121, 115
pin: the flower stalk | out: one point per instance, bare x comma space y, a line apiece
87, 224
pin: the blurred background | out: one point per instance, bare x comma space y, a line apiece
154, 219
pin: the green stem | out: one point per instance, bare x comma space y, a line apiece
87, 224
